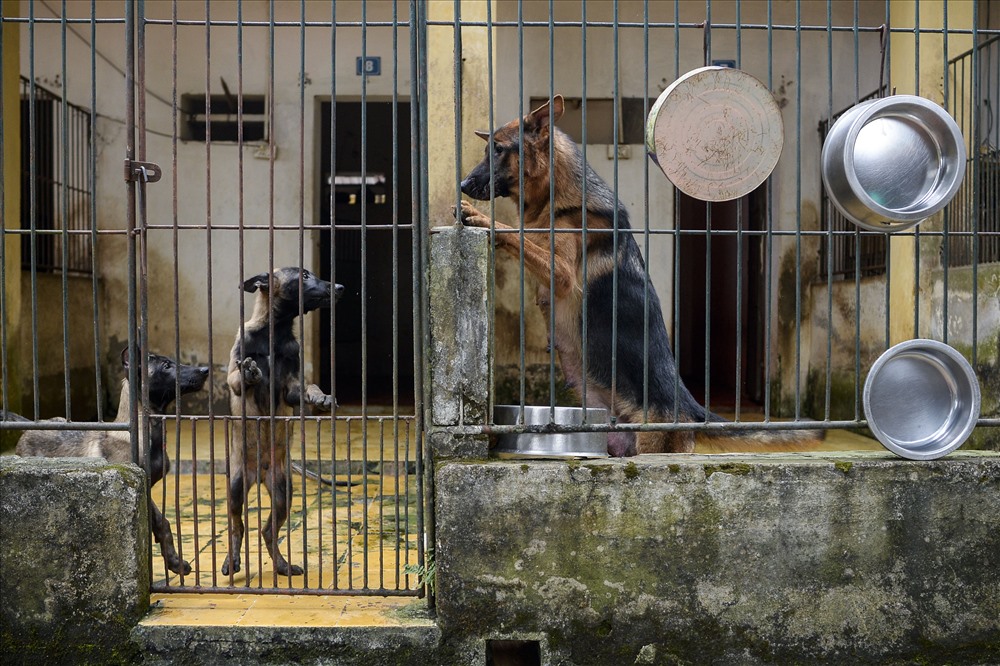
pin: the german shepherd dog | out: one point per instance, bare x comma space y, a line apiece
163, 378
562, 181
262, 386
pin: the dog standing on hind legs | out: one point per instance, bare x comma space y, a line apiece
257, 380
554, 190
163, 378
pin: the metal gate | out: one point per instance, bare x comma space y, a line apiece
250, 143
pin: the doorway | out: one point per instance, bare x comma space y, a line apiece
374, 343
724, 331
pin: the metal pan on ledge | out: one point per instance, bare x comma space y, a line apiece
550, 445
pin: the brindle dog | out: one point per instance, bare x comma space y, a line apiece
265, 385
163, 378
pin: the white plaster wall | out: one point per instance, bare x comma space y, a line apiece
203, 187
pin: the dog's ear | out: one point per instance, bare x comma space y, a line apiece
545, 115
485, 136
558, 106
257, 282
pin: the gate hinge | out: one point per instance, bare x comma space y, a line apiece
146, 172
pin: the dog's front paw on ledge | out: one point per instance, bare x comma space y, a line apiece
251, 373
470, 216
323, 402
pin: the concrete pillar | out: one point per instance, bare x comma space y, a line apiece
11, 311
444, 166
933, 63
459, 348
75, 571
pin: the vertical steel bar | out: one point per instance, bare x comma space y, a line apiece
708, 242
916, 229
33, 203
552, 223
737, 388
240, 222
583, 203
491, 295
175, 238
677, 232
616, 97
858, 310
333, 274
421, 336
645, 216
130, 225
798, 211
395, 285
830, 239
301, 320
976, 171
769, 253
364, 287
520, 188
271, 422
4, 380
946, 224
886, 67
365, 423
65, 237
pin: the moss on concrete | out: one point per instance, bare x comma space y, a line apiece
844, 466
75, 574
768, 559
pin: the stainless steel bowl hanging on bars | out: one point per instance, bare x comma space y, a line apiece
921, 399
716, 133
551, 445
891, 163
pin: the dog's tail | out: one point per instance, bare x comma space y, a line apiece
758, 441
731, 440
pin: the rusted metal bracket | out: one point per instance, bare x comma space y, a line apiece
146, 172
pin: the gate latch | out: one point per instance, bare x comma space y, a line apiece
146, 172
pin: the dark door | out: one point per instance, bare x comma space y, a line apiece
709, 283
374, 342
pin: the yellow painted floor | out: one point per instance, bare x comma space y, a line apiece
359, 536
225, 610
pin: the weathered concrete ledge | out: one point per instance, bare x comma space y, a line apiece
846, 558
74, 559
354, 646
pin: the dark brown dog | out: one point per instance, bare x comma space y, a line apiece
556, 190
264, 385
163, 377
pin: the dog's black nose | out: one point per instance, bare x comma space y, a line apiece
204, 370
338, 290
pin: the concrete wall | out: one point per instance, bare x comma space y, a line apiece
74, 559
860, 559
58, 340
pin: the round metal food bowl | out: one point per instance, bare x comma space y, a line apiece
891, 163
921, 399
550, 445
